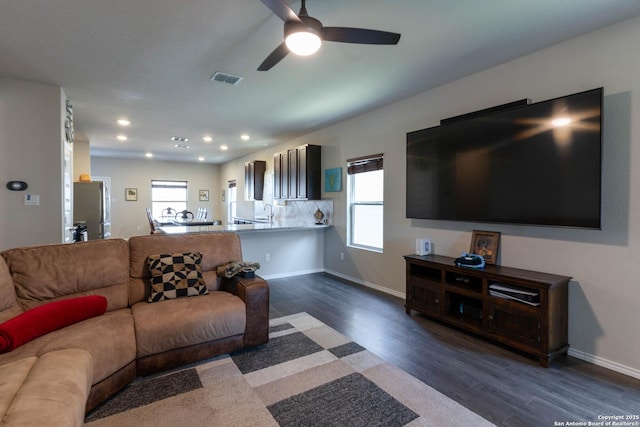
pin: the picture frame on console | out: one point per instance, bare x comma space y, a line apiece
485, 244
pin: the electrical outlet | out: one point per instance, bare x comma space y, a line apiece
267, 257
341, 256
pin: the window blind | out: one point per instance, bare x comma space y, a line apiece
364, 164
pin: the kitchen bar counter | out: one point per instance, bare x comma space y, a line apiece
282, 248
240, 228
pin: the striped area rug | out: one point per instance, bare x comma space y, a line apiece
308, 375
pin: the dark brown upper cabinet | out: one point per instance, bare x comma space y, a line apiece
254, 179
297, 173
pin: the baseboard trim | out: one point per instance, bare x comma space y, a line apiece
578, 354
605, 363
367, 284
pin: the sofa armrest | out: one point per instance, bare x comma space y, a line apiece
255, 294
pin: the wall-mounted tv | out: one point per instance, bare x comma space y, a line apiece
537, 164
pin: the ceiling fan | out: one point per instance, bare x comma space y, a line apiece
304, 34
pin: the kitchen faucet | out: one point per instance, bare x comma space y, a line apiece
267, 205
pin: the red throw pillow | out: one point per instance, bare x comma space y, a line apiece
47, 318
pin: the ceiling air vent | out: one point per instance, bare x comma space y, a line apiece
225, 78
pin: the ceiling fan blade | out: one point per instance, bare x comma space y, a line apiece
359, 35
282, 9
275, 57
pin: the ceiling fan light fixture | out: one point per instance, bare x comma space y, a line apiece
304, 34
303, 43
303, 38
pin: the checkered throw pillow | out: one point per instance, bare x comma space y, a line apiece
176, 275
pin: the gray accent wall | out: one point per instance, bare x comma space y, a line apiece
604, 299
31, 135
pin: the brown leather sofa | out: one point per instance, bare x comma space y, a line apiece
100, 355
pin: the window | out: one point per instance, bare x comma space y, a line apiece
365, 200
168, 194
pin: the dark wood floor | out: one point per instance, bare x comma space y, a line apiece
506, 388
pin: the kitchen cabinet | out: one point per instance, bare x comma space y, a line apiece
254, 179
277, 177
297, 173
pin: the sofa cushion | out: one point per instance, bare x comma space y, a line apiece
13, 376
216, 249
50, 390
109, 338
51, 272
7, 291
47, 318
175, 275
9, 307
173, 324
115, 348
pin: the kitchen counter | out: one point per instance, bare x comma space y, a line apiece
252, 220
283, 248
241, 228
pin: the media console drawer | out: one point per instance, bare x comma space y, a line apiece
525, 310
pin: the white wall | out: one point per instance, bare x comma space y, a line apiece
290, 252
129, 218
81, 159
31, 150
604, 295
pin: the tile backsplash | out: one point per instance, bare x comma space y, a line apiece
298, 212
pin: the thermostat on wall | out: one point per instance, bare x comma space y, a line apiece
17, 185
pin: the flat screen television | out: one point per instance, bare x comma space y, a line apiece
536, 164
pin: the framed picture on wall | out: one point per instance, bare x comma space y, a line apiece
131, 194
333, 180
203, 195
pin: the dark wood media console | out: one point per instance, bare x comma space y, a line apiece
525, 310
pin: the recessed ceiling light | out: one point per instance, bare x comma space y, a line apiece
224, 147
201, 159
207, 138
121, 137
124, 122
149, 155
245, 137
